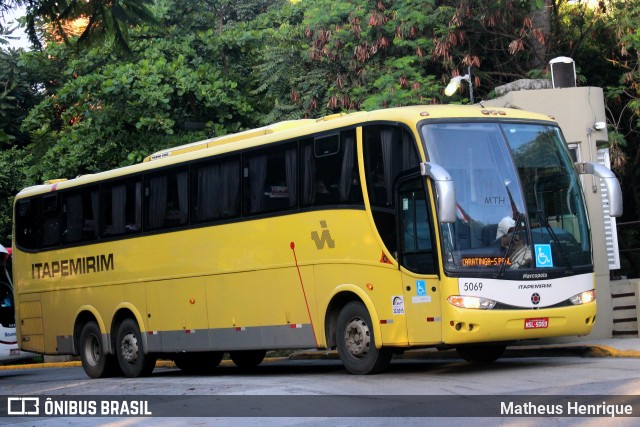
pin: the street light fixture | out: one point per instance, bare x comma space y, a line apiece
456, 82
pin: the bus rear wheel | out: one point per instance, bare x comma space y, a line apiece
198, 363
356, 342
131, 357
247, 359
485, 353
95, 361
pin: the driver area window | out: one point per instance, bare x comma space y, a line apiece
415, 232
389, 151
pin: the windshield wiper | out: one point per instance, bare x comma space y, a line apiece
563, 254
516, 229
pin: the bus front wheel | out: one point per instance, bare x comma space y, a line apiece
356, 342
95, 361
131, 357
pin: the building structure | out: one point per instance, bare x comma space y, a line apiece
580, 111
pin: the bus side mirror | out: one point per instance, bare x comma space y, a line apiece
610, 181
445, 191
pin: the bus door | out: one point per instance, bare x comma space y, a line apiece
417, 256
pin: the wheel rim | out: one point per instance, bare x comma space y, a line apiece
92, 350
129, 348
357, 337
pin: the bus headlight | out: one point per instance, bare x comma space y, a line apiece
471, 302
584, 297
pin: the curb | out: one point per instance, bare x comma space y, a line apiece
514, 352
40, 365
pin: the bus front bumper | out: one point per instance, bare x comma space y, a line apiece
465, 326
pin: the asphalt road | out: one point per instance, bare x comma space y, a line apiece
320, 392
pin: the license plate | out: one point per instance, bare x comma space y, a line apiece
538, 323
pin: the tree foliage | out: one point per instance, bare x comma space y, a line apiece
624, 118
49, 20
198, 68
17, 99
117, 109
374, 53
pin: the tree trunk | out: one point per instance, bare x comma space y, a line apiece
541, 22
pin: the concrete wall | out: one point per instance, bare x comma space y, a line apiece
576, 109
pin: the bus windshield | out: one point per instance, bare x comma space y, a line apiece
519, 202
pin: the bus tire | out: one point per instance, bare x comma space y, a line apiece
95, 362
131, 357
356, 342
198, 363
485, 353
247, 359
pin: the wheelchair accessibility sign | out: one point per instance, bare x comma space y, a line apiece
543, 256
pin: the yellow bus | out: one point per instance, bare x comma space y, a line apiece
370, 232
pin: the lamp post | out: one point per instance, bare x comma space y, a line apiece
456, 82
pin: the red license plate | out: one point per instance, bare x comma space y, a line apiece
538, 323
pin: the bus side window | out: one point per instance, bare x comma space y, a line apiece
80, 215
122, 208
215, 190
329, 172
49, 221
26, 223
167, 199
270, 179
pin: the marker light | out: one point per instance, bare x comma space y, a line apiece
471, 302
584, 297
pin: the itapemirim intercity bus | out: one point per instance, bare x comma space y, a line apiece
371, 232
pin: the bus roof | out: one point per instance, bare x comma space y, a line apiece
292, 129
225, 139
442, 111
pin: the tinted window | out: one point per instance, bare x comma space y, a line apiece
215, 190
26, 223
50, 221
329, 176
80, 215
389, 151
270, 179
327, 145
416, 243
122, 207
166, 199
